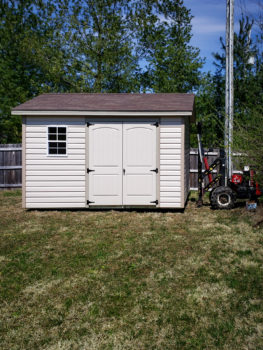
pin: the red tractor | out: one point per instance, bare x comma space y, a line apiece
223, 194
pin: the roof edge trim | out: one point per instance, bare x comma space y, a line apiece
102, 113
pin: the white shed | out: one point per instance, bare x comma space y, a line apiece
106, 150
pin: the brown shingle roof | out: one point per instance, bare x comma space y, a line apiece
109, 102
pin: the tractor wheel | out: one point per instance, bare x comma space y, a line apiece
222, 198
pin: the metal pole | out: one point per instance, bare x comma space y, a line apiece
229, 87
227, 91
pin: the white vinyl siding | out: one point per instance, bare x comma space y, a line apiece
57, 181
170, 162
60, 181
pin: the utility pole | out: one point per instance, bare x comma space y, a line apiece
229, 88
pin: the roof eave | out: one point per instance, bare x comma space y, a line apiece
101, 113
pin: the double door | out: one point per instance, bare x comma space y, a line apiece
122, 163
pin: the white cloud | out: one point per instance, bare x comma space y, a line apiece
206, 25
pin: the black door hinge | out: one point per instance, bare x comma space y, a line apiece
155, 202
89, 202
156, 124
89, 170
89, 124
155, 170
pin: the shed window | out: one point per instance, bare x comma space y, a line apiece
57, 140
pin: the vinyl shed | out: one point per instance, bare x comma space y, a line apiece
106, 150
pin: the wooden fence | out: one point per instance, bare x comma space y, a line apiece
11, 165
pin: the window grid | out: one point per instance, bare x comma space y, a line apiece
57, 140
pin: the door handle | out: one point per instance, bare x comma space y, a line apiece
123, 170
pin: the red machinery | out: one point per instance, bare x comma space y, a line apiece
240, 186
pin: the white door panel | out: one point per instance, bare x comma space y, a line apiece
139, 159
105, 163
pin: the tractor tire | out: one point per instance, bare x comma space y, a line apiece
222, 198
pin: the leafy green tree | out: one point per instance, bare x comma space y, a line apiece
104, 50
248, 141
93, 46
209, 96
112, 39
32, 58
246, 83
249, 111
164, 34
247, 86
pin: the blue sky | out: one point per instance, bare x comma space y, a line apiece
209, 24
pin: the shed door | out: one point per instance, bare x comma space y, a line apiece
105, 163
139, 163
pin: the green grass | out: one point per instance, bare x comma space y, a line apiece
130, 280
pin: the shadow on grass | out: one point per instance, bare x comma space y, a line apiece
125, 210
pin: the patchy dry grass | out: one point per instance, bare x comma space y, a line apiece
130, 280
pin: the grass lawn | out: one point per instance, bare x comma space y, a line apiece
130, 280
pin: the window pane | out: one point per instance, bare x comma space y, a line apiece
62, 130
53, 144
52, 137
62, 151
52, 130
53, 151
61, 137
62, 144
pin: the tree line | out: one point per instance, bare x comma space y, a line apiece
92, 46
121, 46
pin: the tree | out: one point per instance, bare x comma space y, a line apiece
248, 96
164, 33
104, 51
249, 129
32, 58
92, 46
112, 39
209, 99
247, 86
248, 140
